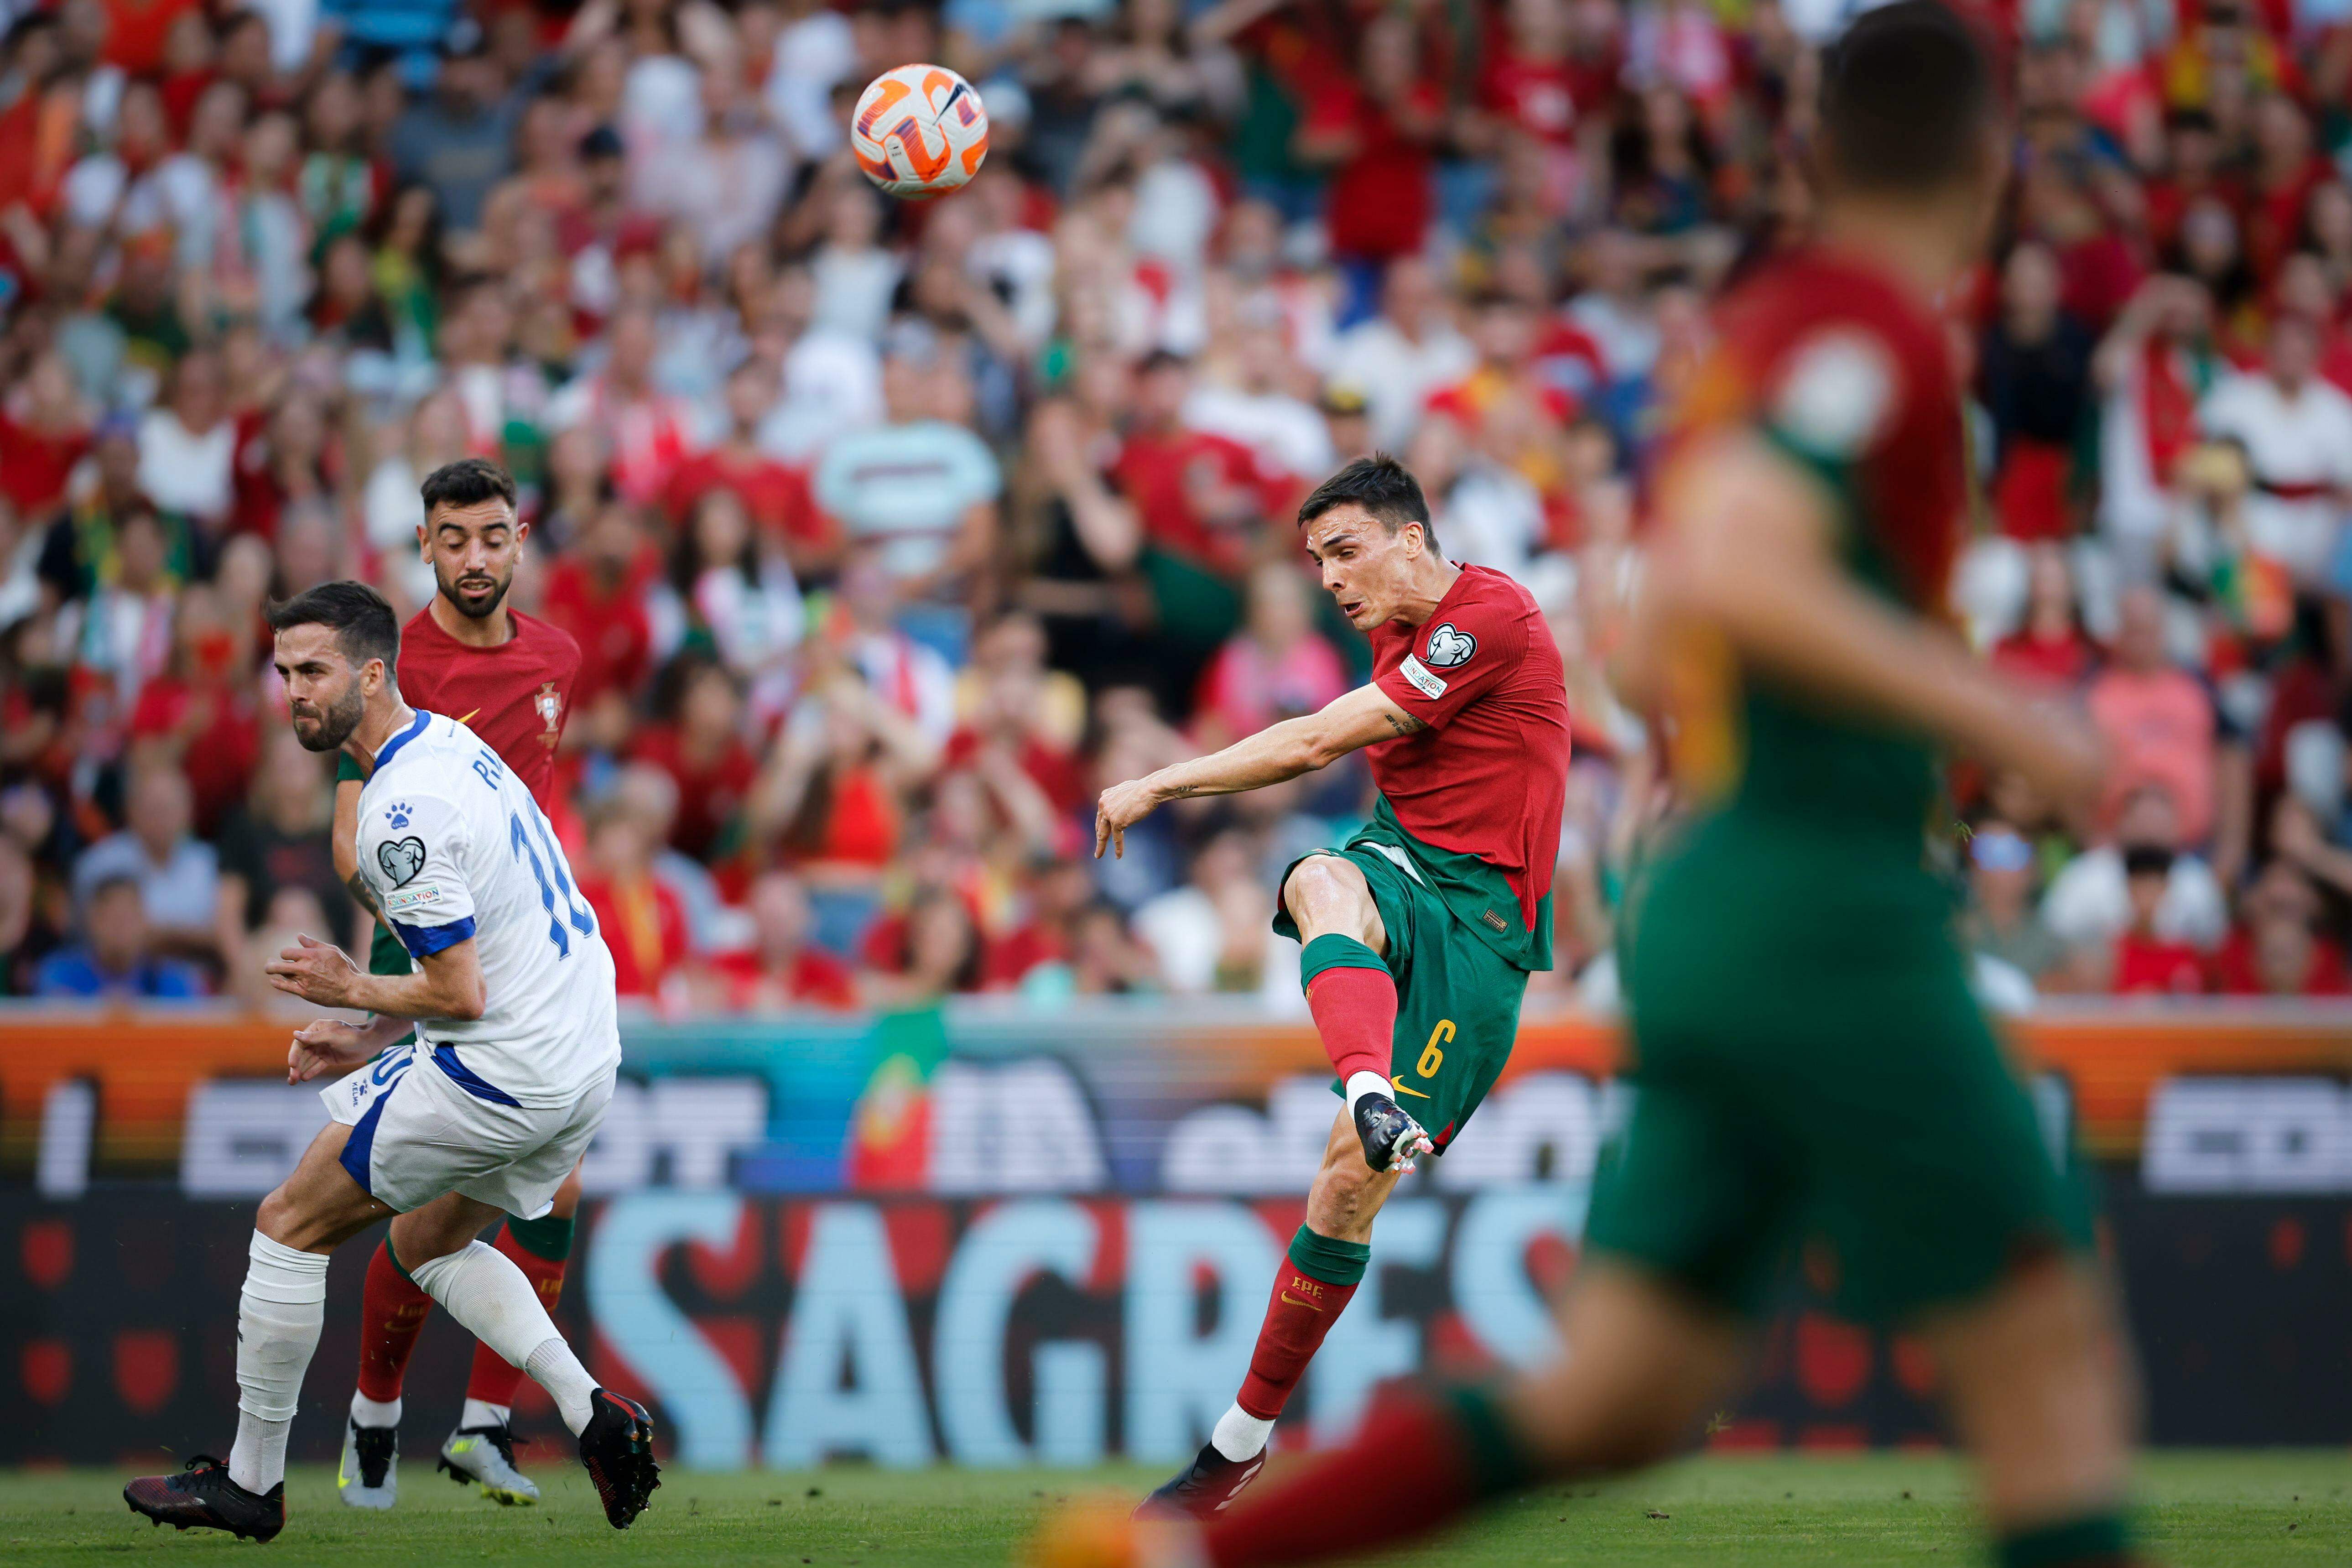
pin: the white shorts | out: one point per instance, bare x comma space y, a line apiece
417, 1132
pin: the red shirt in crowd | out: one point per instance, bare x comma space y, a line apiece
1055, 771
222, 734
774, 494
710, 792
2235, 973
815, 976
615, 636
1378, 201
2046, 661
2149, 965
1162, 473
515, 696
35, 465
1489, 777
643, 925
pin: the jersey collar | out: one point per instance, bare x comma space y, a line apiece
392, 746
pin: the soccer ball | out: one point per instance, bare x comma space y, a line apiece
919, 131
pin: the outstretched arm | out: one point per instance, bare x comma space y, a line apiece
1276, 753
1747, 557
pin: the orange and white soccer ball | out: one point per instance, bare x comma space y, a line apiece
919, 131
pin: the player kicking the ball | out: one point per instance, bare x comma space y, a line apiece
1420, 933
1808, 1063
508, 678
485, 1113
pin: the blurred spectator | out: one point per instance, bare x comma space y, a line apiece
199, 713
459, 142
1213, 933
642, 919
22, 938
730, 595
2276, 950
114, 961
1276, 668
121, 635
921, 488
45, 429
178, 877
939, 954
781, 968
2034, 373
1398, 359
2157, 720
2144, 961
2001, 920
2051, 647
186, 446
2296, 430
276, 839
2089, 903
776, 497
705, 757
645, 432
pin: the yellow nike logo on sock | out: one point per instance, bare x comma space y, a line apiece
1295, 1301
1401, 1089
468, 718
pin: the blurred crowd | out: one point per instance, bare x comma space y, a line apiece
890, 532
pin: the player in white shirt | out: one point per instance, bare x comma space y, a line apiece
485, 1115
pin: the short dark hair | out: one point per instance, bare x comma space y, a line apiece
1906, 96
361, 618
468, 481
1382, 486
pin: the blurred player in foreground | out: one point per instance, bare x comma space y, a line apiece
1808, 1063
1420, 933
508, 678
511, 973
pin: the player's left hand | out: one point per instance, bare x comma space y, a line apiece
327, 1045
1121, 807
315, 970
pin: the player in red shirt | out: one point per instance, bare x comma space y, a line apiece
509, 678
1420, 932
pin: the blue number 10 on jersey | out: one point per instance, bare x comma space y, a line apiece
582, 920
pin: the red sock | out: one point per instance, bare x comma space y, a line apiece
392, 1312
1413, 1455
494, 1381
1355, 1012
1299, 1313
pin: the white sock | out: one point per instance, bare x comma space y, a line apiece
1240, 1435
495, 1301
555, 1368
481, 1413
1360, 1085
366, 1412
278, 1320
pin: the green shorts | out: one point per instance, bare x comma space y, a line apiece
1458, 998
1811, 1069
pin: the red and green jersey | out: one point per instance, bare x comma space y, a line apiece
1479, 792
515, 696
1842, 367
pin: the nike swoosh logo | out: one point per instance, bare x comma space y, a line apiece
1401, 1089
1295, 1301
468, 718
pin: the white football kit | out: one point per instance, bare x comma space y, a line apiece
501, 1107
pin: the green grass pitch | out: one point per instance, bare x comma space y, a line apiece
2200, 1511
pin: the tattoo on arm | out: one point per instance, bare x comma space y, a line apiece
1404, 723
361, 891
